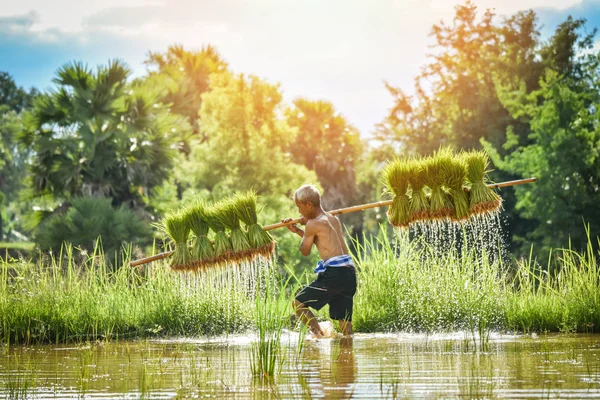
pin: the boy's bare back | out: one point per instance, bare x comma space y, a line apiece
328, 235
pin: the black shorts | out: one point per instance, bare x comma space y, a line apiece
336, 287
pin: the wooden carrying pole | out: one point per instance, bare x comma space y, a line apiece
334, 212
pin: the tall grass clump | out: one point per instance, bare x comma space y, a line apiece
177, 226
61, 300
482, 199
563, 296
272, 310
222, 244
395, 180
419, 203
440, 206
260, 241
202, 248
228, 216
454, 173
409, 287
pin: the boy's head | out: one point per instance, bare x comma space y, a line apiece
308, 200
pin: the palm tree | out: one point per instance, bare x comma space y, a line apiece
96, 135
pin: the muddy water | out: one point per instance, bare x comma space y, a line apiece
368, 366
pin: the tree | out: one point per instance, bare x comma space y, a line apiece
12, 161
327, 144
16, 98
13, 100
563, 148
456, 100
246, 137
246, 148
183, 76
95, 135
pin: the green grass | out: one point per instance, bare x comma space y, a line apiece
402, 287
407, 287
58, 301
28, 246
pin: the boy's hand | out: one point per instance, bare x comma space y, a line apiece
291, 228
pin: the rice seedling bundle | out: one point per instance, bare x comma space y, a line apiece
454, 175
202, 248
239, 240
419, 203
222, 245
440, 205
177, 227
260, 240
482, 199
395, 179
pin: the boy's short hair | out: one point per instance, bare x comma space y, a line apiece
308, 193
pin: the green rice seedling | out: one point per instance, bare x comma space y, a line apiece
454, 173
261, 241
440, 205
395, 180
482, 199
222, 244
239, 240
419, 203
203, 251
271, 313
177, 227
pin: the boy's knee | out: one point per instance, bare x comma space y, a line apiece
297, 304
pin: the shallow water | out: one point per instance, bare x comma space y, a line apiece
370, 366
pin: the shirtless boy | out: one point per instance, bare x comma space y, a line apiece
336, 281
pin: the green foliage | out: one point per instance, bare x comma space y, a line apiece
563, 155
329, 145
75, 301
454, 100
89, 218
95, 135
183, 76
12, 96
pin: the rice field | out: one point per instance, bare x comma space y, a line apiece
404, 285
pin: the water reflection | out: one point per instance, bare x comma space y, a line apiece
366, 366
328, 369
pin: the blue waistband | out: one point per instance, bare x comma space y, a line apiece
345, 260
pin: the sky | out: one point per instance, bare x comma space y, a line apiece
337, 50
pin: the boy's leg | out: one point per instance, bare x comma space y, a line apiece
345, 327
307, 317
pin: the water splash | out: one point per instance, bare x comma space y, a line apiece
248, 277
481, 237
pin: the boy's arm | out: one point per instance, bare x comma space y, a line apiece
308, 238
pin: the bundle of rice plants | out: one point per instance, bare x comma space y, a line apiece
395, 181
178, 229
440, 205
260, 240
203, 251
482, 199
222, 245
419, 203
455, 176
239, 240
